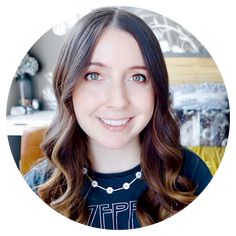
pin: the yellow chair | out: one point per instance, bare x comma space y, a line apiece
211, 155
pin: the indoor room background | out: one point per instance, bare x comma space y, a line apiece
199, 97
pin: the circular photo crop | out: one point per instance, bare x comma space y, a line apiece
118, 118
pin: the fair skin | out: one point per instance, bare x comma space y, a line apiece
114, 101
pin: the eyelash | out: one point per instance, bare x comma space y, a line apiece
91, 73
142, 80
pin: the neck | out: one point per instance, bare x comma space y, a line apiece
105, 160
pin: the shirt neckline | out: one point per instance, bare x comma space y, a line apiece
118, 174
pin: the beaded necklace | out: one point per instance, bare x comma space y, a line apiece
110, 190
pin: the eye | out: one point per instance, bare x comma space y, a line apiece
92, 76
138, 78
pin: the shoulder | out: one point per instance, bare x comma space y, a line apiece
38, 175
196, 170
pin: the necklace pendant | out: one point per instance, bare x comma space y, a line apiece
109, 190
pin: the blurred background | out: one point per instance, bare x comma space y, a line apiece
199, 97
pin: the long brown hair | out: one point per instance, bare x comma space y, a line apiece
66, 145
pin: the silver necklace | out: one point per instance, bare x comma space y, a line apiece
110, 190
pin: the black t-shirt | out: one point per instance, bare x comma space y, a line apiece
112, 198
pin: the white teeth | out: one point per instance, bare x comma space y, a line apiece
115, 122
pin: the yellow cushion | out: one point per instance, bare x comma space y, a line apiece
211, 155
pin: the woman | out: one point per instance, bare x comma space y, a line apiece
113, 153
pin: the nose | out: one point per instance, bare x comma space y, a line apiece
118, 95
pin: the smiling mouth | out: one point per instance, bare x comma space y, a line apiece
115, 122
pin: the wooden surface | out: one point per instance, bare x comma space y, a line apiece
192, 70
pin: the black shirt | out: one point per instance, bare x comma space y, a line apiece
116, 208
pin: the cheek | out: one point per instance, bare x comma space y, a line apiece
85, 103
148, 107
144, 99
81, 106
79, 103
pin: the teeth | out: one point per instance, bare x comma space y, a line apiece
115, 122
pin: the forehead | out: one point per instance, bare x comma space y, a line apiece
116, 45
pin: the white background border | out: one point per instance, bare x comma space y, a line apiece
23, 22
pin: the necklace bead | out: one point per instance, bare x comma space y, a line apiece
94, 183
109, 190
126, 186
138, 174
85, 170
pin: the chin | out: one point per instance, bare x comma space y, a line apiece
115, 144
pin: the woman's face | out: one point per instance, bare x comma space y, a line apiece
114, 100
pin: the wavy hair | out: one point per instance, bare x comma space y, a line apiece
66, 145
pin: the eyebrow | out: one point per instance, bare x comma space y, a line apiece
138, 67
97, 64
105, 66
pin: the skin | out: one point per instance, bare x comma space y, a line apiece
114, 101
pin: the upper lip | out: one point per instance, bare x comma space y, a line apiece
123, 118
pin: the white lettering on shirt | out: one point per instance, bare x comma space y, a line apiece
113, 213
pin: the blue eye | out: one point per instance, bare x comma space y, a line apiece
138, 78
92, 76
